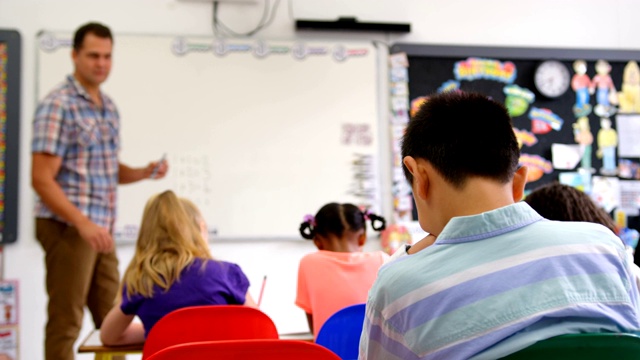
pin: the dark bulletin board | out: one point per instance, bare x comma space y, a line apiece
431, 66
10, 60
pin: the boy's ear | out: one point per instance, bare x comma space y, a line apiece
519, 181
420, 177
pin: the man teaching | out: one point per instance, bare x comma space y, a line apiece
75, 172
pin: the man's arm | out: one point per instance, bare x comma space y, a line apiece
127, 175
44, 168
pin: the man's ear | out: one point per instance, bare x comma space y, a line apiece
420, 178
519, 181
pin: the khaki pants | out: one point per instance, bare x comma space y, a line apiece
76, 276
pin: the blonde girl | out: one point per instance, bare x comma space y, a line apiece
171, 268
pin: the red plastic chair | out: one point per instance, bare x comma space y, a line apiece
207, 323
246, 349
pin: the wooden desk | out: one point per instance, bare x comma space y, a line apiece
302, 336
92, 344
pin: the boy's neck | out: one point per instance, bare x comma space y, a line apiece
479, 195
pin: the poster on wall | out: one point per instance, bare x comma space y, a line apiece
10, 53
9, 343
9, 320
9, 302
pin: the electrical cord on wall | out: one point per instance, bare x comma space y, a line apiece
219, 28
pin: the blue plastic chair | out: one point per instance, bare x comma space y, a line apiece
341, 332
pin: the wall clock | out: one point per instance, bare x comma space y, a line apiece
552, 78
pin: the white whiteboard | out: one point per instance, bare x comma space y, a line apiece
257, 134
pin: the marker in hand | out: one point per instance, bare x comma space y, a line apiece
156, 168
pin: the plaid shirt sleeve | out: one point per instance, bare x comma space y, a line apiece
50, 133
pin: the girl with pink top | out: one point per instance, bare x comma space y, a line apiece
339, 274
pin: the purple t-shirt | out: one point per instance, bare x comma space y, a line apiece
218, 283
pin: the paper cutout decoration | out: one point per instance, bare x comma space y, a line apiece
630, 236
399, 60
620, 218
582, 135
605, 191
416, 104
398, 103
537, 165
607, 142
525, 138
628, 169
399, 74
518, 99
565, 157
9, 302
544, 120
629, 97
580, 83
399, 88
630, 197
602, 86
579, 180
628, 127
449, 85
487, 69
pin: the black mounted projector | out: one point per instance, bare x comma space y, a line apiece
351, 24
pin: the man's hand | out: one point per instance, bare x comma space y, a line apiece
156, 169
97, 237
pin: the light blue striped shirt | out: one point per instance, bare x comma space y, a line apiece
497, 282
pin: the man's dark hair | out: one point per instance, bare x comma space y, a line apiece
96, 29
463, 135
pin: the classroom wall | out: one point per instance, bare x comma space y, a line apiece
536, 23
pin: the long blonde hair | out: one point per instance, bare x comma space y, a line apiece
168, 241
193, 212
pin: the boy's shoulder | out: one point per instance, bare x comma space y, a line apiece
583, 231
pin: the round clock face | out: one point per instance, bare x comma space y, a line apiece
552, 78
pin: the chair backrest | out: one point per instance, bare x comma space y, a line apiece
583, 346
246, 349
206, 323
341, 332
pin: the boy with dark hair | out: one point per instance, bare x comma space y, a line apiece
494, 277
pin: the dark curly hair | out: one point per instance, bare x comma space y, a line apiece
335, 219
561, 202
